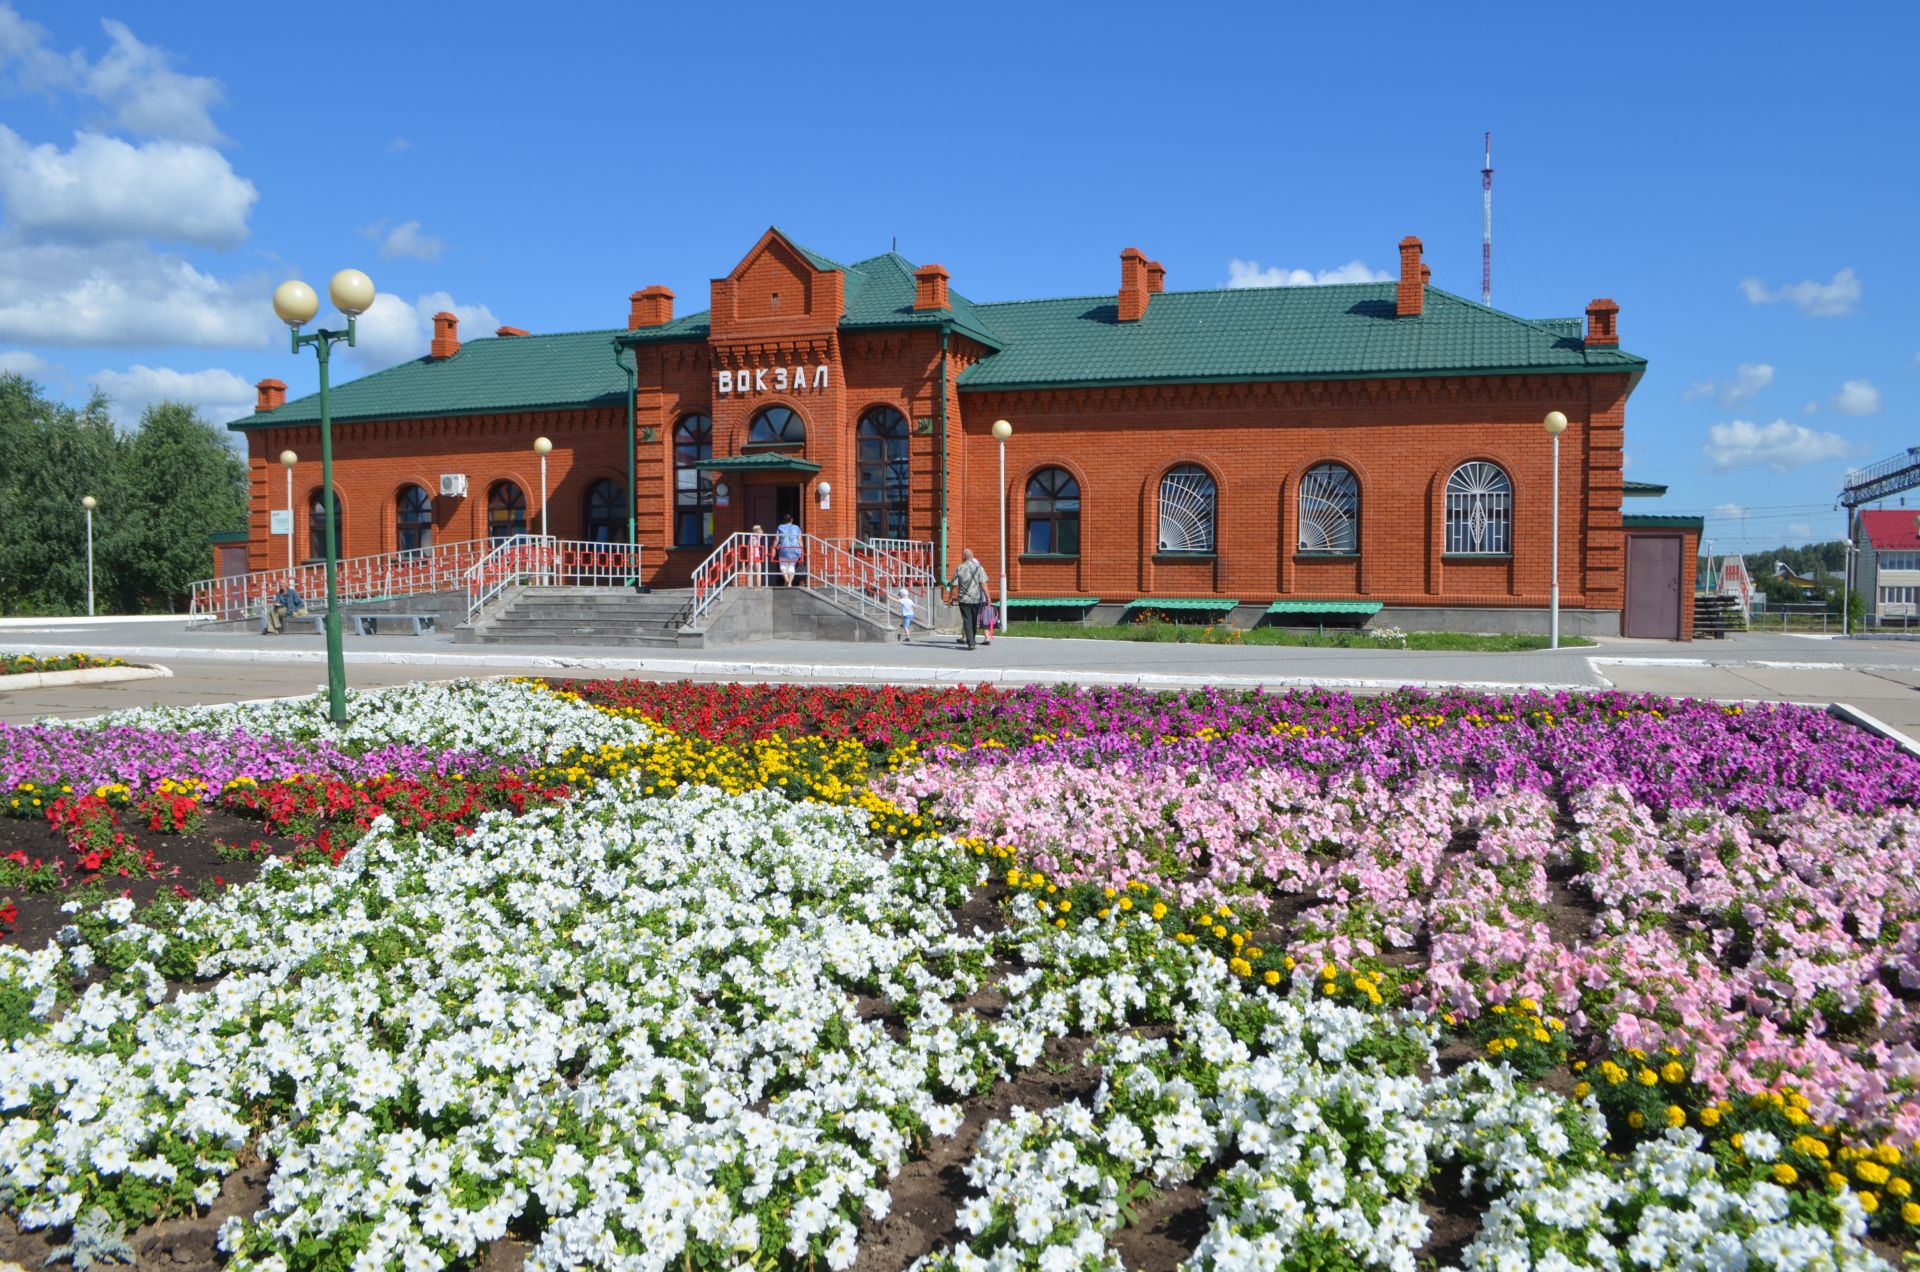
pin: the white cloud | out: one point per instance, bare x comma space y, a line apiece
1779, 445
394, 331
1811, 408
1802, 530
133, 80
218, 395
147, 95
1747, 380
1729, 512
1816, 300
125, 294
405, 240
105, 188
398, 144
21, 362
1249, 274
1857, 397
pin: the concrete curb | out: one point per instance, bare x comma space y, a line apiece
68, 620
81, 676
1879, 728
831, 672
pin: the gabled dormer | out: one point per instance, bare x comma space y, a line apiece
781, 288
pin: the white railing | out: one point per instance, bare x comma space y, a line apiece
541, 561
441, 568
866, 578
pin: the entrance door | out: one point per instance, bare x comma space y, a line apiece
767, 504
1653, 586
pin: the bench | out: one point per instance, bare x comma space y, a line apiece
319, 617
368, 624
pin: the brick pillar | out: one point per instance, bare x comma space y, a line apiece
1411, 295
1133, 285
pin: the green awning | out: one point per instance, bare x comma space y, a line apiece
1053, 602
1181, 603
1642, 489
763, 463
1324, 607
1661, 521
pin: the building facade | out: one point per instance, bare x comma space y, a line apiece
1376, 441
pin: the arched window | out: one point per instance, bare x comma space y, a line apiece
777, 426
506, 511
1479, 510
606, 512
1053, 513
317, 527
883, 445
1187, 500
1329, 510
693, 489
413, 519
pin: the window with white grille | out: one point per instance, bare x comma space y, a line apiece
1329, 510
1187, 502
1479, 511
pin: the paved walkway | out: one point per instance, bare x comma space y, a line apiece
1882, 677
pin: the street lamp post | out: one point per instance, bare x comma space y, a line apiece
352, 293
1555, 424
287, 460
543, 446
89, 503
1001, 432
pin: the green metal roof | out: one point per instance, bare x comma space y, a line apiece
1181, 603
881, 291
1642, 489
229, 536
1053, 602
814, 258
495, 373
1324, 607
765, 462
1345, 331
1661, 521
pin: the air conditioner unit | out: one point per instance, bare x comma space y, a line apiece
453, 485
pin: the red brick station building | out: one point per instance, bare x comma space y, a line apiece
1378, 444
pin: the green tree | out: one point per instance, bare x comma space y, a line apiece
183, 483
51, 456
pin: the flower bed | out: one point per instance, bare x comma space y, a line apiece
697, 979
28, 664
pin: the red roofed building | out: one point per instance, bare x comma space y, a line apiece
1888, 574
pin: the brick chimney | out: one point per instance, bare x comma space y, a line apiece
1603, 323
930, 287
273, 396
504, 332
1133, 285
1412, 295
1156, 278
446, 336
650, 307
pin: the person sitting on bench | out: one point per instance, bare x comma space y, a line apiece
286, 604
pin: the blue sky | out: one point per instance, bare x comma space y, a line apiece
1739, 178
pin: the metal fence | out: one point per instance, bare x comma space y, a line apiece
441, 568
543, 561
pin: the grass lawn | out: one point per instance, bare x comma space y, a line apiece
1336, 638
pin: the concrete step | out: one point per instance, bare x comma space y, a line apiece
547, 638
566, 631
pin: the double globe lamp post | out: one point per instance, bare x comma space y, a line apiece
352, 294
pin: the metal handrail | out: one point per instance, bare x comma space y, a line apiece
543, 561
440, 568
863, 576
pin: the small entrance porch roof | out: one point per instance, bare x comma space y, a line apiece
765, 463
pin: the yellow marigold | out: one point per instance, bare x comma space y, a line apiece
1272, 977
1636, 1120
1899, 1187
1910, 1214
1784, 1174
1710, 1116
1581, 1090
1673, 1071
1869, 1202
1676, 1116
1870, 1171
1239, 967
1219, 933
1836, 1181
1887, 1154
1646, 1077
1159, 911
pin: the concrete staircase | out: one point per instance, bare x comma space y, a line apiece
583, 616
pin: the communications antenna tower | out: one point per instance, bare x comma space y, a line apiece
1486, 226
